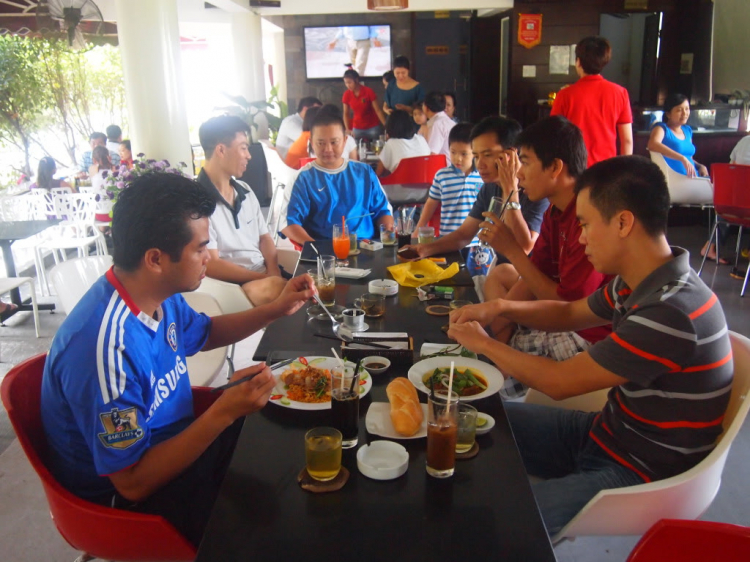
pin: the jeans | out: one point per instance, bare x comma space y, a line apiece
371, 134
555, 445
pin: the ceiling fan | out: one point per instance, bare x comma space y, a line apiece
68, 14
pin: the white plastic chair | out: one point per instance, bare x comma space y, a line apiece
684, 190
204, 366
288, 259
7, 284
282, 180
72, 278
632, 510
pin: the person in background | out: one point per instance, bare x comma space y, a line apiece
404, 91
114, 138
455, 188
241, 248
401, 142
439, 124
388, 77
291, 127
420, 120
667, 364
45, 175
332, 187
450, 105
362, 114
358, 41
741, 152
126, 154
300, 148
102, 165
95, 139
673, 138
600, 108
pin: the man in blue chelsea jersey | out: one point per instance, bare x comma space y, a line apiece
116, 397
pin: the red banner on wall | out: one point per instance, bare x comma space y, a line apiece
529, 30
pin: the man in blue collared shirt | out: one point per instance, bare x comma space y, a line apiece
358, 39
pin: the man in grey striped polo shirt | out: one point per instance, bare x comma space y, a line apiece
668, 360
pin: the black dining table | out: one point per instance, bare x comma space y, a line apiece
10, 231
486, 511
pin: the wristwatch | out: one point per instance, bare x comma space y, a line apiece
514, 206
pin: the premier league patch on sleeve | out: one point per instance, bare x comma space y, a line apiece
172, 336
120, 428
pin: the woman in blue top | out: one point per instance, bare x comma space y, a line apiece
404, 91
674, 138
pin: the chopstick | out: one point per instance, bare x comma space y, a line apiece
367, 343
235, 383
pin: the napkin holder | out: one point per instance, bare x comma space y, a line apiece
400, 357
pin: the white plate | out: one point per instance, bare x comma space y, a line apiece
279, 394
378, 422
352, 273
490, 372
486, 427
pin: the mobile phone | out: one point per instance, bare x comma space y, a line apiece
408, 253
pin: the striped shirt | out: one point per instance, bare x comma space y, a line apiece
670, 341
115, 383
457, 193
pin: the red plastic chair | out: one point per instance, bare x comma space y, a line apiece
693, 541
98, 531
731, 202
303, 161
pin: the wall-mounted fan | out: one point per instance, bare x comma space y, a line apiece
69, 14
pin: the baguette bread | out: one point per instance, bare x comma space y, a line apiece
406, 412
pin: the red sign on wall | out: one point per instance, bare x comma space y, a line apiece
529, 30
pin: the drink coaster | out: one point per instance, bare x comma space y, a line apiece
308, 483
354, 252
314, 311
470, 454
438, 310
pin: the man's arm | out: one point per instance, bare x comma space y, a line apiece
297, 234
453, 242
557, 379
508, 166
224, 270
625, 132
270, 256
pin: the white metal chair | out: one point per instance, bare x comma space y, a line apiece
683, 190
204, 366
282, 180
632, 510
72, 278
7, 284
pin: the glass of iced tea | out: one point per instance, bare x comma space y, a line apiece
345, 405
326, 280
323, 453
442, 433
341, 244
467, 428
426, 234
372, 303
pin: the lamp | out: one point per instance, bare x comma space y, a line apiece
383, 5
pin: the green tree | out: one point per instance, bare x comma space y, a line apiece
22, 98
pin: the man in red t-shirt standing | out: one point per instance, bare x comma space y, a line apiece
600, 108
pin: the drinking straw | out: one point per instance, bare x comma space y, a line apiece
343, 368
356, 376
320, 261
450, 384
505, 206
360, 216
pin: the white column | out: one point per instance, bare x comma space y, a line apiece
247, 38
150, 48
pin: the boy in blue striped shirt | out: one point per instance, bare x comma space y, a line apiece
455, 187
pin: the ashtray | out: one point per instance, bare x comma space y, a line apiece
376, 365
382, 460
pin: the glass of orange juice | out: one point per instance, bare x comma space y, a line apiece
341, 244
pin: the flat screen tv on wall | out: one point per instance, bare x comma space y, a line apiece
329, 49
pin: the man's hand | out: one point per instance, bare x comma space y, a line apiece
471, 335
248, 397
422, 249
296, 293
508, 165
484, 313
499, 236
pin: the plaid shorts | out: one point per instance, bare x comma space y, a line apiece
555, 345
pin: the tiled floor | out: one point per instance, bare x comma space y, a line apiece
28, 535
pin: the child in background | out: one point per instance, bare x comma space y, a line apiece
420, 119
456, 186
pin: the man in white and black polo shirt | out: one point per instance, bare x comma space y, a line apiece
668, 359
242, 250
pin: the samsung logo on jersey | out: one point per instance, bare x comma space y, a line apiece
166, 385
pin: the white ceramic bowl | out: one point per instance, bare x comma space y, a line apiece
382, 460
375, 359
487, 426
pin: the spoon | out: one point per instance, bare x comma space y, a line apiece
341, 331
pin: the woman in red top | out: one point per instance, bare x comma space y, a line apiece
362, 115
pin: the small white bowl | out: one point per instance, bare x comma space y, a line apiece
376, 359
486, 427
382, 460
